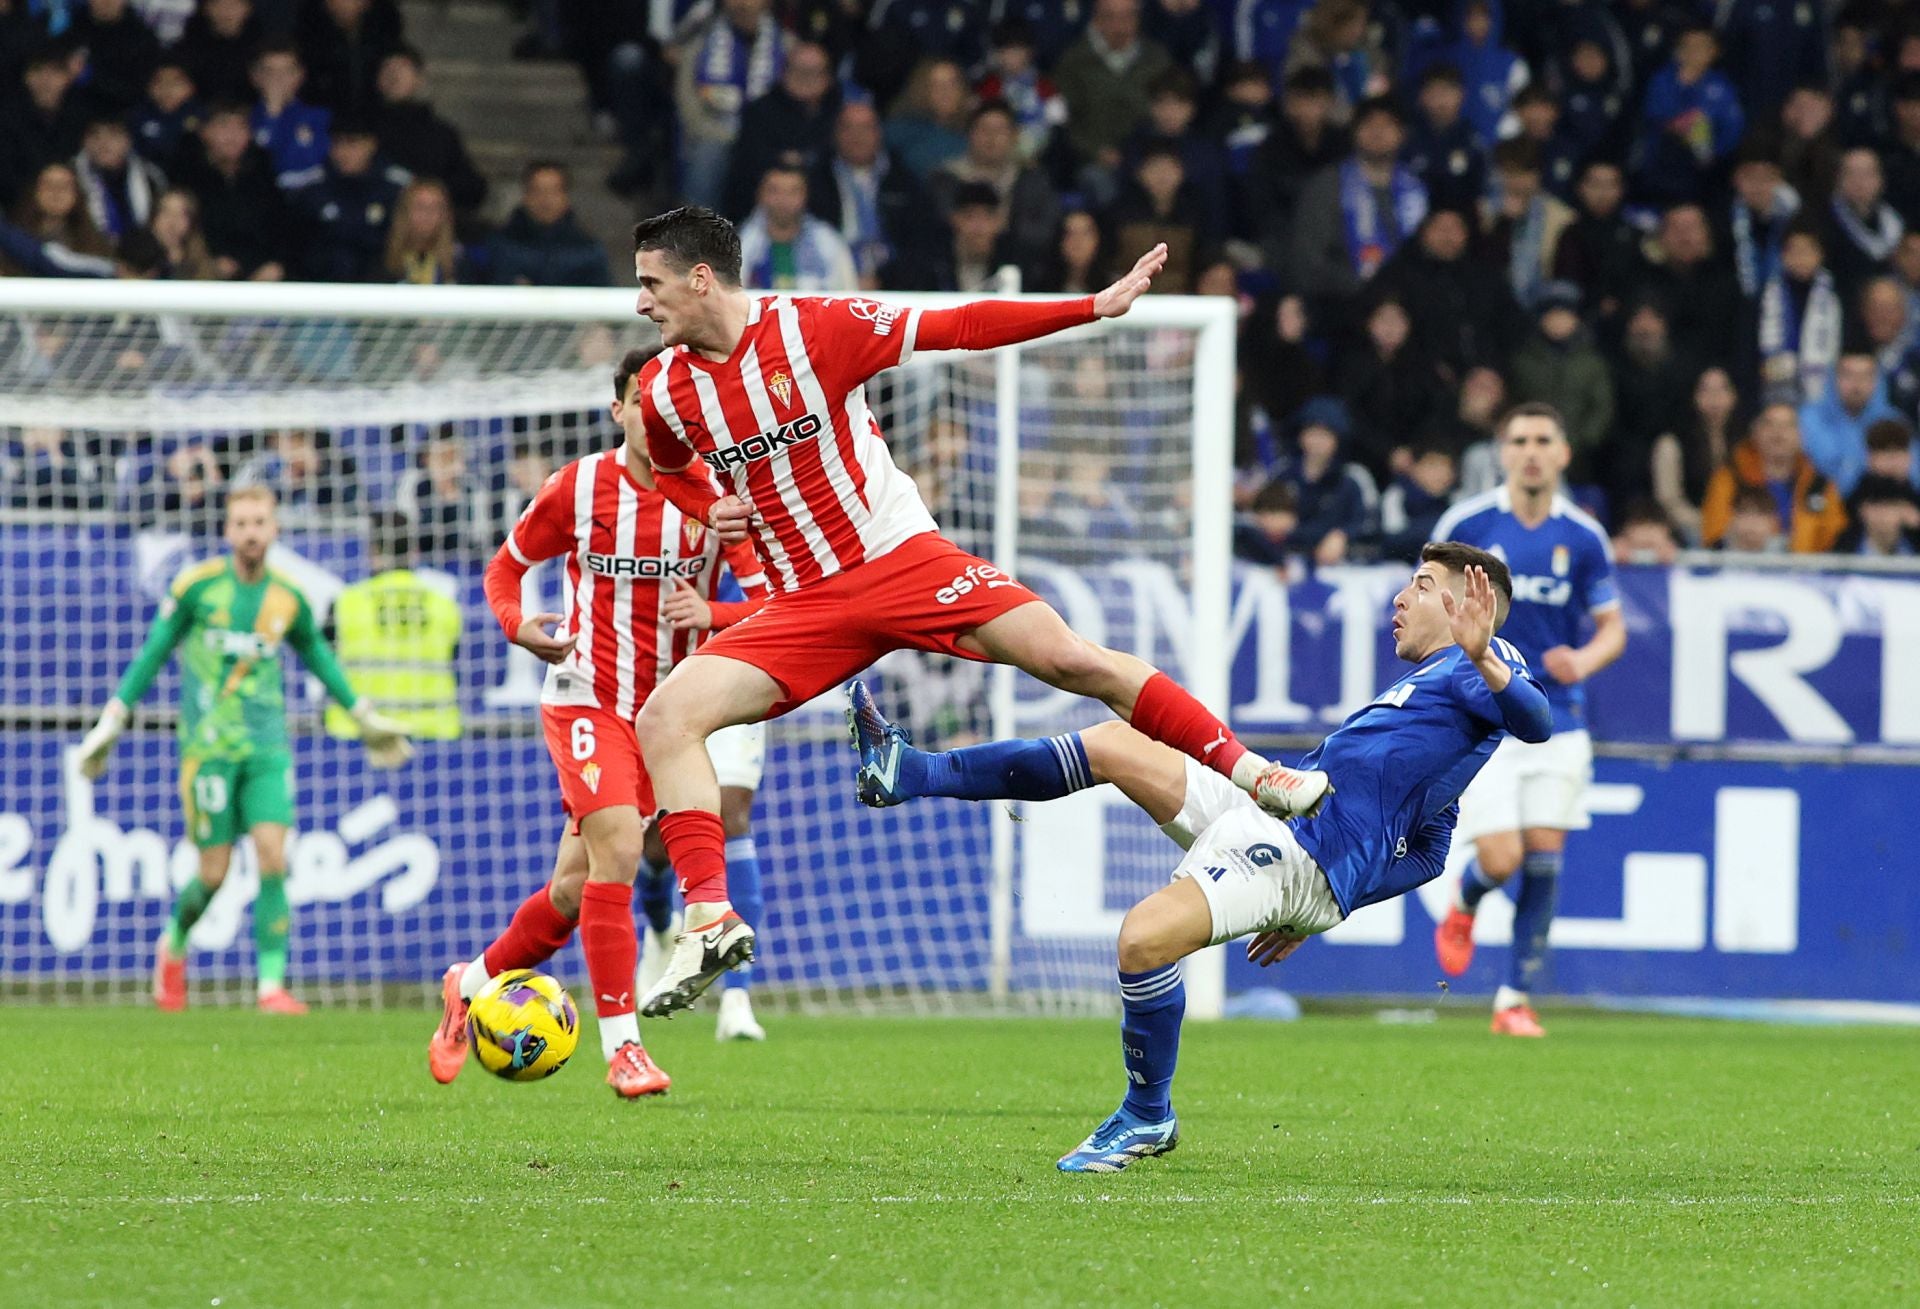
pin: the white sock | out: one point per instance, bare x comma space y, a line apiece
705, 913
1506, 998
1247, 769
616, 1032
475, 977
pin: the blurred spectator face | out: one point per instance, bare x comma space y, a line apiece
1308, 111
1589, 62
1519, 186
1807, 113
346, 14
1601, 190
1906, 54
1854, 380
1559, 323
1860, 181
1887, 520
226, 138
107, 11
1117, 22
277, 76
976, 231
1477, 23
783, 197
56, 192
1079, 241
809, 75
169, 87
1250, 91
991, 140
1683, 233
1171, 113
1646, 542
47, 82
744, 13
1432, 472
545, 196
1160, 177
1756, 180
1539, 115
1694, 54
1276, 524
1848, 48
1776, 434
1906, 117
299, 458
1801, 256
1906, 258
1714, 396
1647, 334
107, 145
1217, 278
352, 153
227, 17
1896, 463
1441, 100
399, 79
1483, 394
1388, 326
1445, 236
445, 460
856, 137
1013, 60
1377, 138
946, 91
428, 210
1319, 444
1753, 528
173, 219
528, 470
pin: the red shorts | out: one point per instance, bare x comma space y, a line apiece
924, 594
598, 758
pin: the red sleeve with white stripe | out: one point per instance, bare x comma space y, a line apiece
864, 337
677, 468
752, 576
545, 531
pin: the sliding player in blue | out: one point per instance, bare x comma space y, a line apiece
1397, 765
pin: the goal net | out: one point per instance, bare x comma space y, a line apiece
131, 410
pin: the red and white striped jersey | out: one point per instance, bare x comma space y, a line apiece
625, 545
784, 425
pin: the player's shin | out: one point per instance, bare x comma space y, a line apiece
535, 935
612, 949
1167, 712
1474, 885
1040, 769
1533, 918
188, 907
696, 845
655, 885
1152, 1002
271, 924
743, 886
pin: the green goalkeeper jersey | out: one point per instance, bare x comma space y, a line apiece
232, 704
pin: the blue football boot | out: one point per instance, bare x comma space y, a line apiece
881, 746
1119, 1141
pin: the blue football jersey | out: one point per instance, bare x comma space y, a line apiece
1398, 767
1562, 574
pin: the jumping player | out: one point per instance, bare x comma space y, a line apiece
1531, 794
230, 617
770, 392
1398, 767
627, 551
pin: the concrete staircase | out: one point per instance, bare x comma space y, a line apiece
511, 112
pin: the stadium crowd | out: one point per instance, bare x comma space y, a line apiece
1694, 228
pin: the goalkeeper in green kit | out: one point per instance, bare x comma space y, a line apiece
229, 617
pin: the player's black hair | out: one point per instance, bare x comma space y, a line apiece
1532, 409
1457, 556
630, 363
692, 235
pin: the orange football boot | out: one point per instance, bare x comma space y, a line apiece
280, 1001
447, 1051
169, 980
633, 1073
1517, 1020
1453, 942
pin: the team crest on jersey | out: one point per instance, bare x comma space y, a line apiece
782, 387
690, 533
1562, 560
590, 774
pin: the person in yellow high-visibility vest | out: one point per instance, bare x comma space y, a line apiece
396, 635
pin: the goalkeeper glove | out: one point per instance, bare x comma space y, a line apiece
385, 738
98, 743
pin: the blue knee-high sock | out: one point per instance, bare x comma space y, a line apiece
1474, 885
1532, 917
1152, 1004
743, 889
1036, 769
656, 895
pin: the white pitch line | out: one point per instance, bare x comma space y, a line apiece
1024, 1197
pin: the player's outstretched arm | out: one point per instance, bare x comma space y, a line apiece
1519, 699
1119, 297
169, 625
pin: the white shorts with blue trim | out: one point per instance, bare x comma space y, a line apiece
739, 755
1529, 784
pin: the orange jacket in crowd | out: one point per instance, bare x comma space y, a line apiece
1819, 514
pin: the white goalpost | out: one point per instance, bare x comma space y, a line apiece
1096, 465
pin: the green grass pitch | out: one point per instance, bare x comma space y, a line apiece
220, 1158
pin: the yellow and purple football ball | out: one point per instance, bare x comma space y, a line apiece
523, 1026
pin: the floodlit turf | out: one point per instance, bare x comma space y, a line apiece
222, 1158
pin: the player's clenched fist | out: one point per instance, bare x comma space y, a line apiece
730, 518
550, 646
686, 609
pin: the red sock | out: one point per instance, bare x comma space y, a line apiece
697, 848
607, 936
1166, 712
537, 931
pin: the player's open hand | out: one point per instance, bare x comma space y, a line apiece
1563, 665
1270, 948
1471, 616
1119, 297
533, 635
686, 609
730, 518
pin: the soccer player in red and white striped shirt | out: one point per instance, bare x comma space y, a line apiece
767, 395
628, 551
